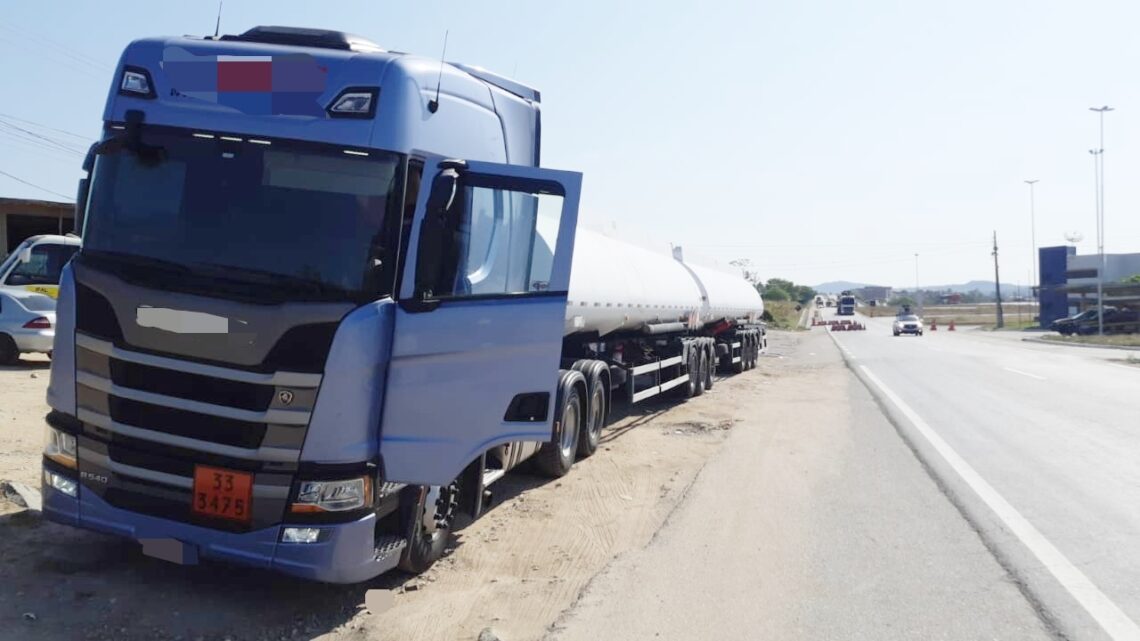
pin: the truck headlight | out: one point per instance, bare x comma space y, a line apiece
332, 496
61, 447
61, 483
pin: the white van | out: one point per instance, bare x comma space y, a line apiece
35, 265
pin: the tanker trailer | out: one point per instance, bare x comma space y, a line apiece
639, 324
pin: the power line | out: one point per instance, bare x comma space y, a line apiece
43, 126
21, 180
52, 141
57, 48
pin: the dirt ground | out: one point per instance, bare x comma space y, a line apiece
515, 570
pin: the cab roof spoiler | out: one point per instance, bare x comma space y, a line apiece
506, 84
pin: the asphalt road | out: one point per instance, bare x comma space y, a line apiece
1040, 445
816, 523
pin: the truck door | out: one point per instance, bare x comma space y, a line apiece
478, 329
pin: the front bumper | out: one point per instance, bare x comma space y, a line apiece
345, 553
909, 330
34, 340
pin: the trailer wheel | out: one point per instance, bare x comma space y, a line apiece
692, 368
595, 417
710, 369
429, 523
555, 457
701, 371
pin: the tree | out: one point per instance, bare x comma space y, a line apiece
775, 293
1134, 279
899, 301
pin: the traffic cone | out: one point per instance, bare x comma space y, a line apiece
934, 325
951, 325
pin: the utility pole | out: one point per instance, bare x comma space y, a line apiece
997, 285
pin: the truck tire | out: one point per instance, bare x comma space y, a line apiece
595, 415
9, 353
555, 458
702, 370
428, 533
710, 369
692, 368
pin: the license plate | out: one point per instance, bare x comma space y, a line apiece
222, 493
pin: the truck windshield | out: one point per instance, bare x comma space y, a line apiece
307, 221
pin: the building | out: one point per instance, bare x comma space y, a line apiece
873, 292
20, 218
1069, 281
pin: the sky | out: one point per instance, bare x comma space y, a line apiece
818, 140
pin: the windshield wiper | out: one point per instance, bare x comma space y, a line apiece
136, 260
247, 274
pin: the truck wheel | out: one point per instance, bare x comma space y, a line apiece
9, 353
692, 368
555, 457
701, 371
595, 418
429, 527
710, 368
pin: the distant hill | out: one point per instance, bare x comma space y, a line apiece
836, 286
984, 286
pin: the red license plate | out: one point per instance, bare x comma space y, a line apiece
222, 493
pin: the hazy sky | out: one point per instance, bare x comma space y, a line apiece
821, 140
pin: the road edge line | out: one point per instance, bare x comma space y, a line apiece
1118, 626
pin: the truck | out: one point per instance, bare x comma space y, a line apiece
846, 304
327, 297
36, 264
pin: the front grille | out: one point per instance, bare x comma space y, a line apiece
150, 420
202, 427
206, 389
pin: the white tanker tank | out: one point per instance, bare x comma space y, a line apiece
617, 286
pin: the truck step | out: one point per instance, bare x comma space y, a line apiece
490, 476
388, 545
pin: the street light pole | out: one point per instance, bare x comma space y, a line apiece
1033, 284
917, 295
1099, 159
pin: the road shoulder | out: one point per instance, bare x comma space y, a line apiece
814, 522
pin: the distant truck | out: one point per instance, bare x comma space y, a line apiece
846, 305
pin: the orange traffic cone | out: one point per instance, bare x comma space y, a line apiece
951, 325
934, 325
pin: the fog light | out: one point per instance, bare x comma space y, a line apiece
300, 535
61, 483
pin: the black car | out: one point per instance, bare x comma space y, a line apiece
1116, 321
1071, 325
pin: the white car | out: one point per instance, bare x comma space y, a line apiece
908, 324
27, 324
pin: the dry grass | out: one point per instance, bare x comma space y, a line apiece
784, 314
1117, 340
1017, 315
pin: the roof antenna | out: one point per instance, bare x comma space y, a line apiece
218, 24
433, 105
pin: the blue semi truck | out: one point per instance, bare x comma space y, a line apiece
323, 301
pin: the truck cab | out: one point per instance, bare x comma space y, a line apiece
308, 302
36, 264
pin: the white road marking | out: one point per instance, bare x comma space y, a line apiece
1106, 613
1017, 371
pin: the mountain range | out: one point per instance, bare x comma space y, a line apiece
984, 286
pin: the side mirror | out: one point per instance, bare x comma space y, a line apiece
81, 204
26, 255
